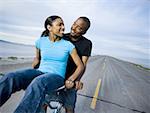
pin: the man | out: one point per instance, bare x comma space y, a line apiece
84, 47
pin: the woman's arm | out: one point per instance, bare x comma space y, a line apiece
78, 71
36, 61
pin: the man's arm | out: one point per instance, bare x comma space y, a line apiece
84, 61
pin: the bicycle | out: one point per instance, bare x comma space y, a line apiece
54, 101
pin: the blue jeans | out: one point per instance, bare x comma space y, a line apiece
69, 97
36, 83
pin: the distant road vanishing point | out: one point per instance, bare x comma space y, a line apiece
110, 86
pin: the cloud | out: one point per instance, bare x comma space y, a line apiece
119, 28
17, 38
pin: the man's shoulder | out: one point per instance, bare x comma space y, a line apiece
86, 40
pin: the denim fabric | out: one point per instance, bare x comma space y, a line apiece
69, 97
35, 93
16, 81
36, 83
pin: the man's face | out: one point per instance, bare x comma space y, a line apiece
78, 28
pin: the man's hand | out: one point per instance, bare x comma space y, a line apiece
79, 85
69, 84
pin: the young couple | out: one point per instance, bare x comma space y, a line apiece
62, 60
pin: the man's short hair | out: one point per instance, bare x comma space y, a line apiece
85, 19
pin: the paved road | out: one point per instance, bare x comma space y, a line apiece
124, 88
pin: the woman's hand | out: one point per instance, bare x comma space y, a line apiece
69, 84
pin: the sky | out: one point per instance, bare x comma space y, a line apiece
119, 28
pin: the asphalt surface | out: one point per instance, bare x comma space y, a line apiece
124, 88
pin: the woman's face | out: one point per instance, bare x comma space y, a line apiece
58, 27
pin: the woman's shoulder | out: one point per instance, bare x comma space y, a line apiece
67, 43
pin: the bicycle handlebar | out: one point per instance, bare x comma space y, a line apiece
61, 88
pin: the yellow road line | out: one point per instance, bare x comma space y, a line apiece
93, 103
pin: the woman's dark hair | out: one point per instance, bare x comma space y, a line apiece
48, 21
88, 23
